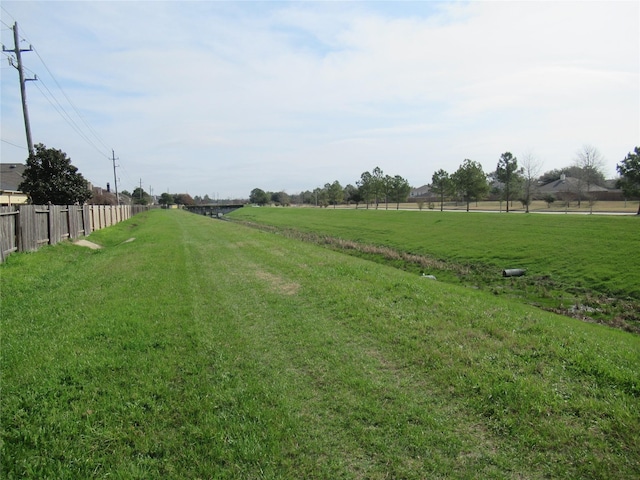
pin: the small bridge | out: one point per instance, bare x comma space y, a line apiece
213, 209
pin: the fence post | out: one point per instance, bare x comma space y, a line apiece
49, 225
54, 217
86, 220
71, 209
27, 231
74, 228
8, 231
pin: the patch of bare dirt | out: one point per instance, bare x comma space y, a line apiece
278, 284
86, 243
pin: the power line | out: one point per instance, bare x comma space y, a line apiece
14, 145
95, 134
125, 173
66, 117
88, 133
62, 111
7, 12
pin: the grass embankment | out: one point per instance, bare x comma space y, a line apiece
584, 266
204, 349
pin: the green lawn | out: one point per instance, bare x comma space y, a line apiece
570, 260
205, 349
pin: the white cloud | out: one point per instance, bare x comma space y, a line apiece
227, 96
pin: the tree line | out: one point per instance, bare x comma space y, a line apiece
372, 189
512, 180
49, 177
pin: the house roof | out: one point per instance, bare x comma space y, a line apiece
569, 184
611, 184
423, 190
11, 176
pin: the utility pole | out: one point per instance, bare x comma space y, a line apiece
140, 191
115, 178
23, 90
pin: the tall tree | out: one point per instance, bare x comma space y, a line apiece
399, 190
590, 163
259, 197
386, 190
441, 185
183, 199
335, 193
50, 177
629, 169
530, 172
378, 184
470, 181
166, 199
140, 197
306, 197
281, 198
321, 197
365, 185
352, 195
506, 172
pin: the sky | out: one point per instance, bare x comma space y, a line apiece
219, 98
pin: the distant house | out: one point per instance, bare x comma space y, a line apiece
10, 179
612, 184
571, 188
420, 192
102, 196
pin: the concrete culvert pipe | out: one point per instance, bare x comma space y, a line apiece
513, 272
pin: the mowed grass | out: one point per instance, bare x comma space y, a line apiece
588, 260
600, 206
205, 349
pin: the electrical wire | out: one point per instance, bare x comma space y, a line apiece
127, 178
75, 109
60, 109
14, 145
7, 12
65, 116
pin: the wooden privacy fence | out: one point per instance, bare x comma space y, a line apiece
25, 228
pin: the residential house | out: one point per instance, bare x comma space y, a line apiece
573, 189
10, 179
422, 192
103, 196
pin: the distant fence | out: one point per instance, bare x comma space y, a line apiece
25, 228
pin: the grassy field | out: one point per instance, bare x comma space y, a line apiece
537, 206
586, 264
205, 349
